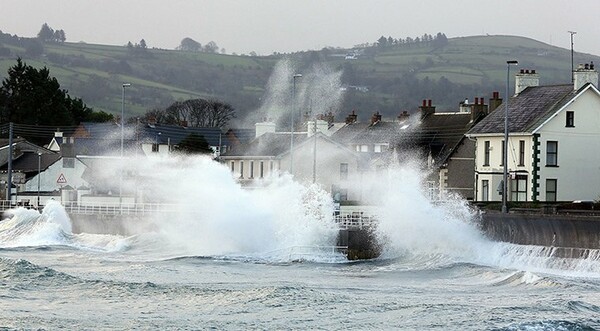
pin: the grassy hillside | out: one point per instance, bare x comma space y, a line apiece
394, 78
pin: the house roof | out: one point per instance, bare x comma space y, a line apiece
100, 146
268, 144
97, 130
175, 134
527, 110
381, 132
442, 132
243, 136
28, 162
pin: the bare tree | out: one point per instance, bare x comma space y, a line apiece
197, 113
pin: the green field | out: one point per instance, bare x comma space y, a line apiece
397, 77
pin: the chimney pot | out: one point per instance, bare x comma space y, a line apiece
429, 103
522, 71
533, 71
424, 103
476, 100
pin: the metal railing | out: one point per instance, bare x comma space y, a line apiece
355, 220
104, 208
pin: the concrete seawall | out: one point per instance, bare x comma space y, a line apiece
565, 231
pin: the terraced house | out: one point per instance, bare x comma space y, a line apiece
554, 139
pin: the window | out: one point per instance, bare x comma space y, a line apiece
485, 190
262, 169
155, 148
251, 169
570, 119
68, 162
232, 166
486, 151
518, 188
271, 166
343, 170
521, 152
502, 154
551, 189
241, 169
552, 154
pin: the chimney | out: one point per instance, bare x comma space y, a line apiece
321, 126
403, 116
375, 118
151, 120
465, 106
264, 127
427, 109
351, 118
478, 110
183, 124
495, 101
526, 78
585, 74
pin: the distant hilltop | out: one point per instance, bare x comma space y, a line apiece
389, 78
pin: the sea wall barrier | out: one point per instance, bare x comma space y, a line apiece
573, 233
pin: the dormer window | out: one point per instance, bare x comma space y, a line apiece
570, 119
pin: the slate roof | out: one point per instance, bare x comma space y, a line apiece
241, 136
527, 110
368, 134
28, 162
442, 132
269, 144
101, 146
175, 134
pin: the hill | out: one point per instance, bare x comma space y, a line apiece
386, 79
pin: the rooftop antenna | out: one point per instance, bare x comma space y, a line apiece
572, 68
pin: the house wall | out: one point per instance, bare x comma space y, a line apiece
578, 171
493, 172
270, 166
458, 176
329, 159
49, 177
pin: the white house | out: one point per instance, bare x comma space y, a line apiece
315, 157
553, 143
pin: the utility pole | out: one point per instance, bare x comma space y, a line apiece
572, 68
10, 156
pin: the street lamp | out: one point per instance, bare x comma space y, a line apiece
505, 147
122, 138
292, 126
39, 174
123, 115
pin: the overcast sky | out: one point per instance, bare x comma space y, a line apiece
267, 26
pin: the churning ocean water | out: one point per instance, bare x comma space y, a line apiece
262, 260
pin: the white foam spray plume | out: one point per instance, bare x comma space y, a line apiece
318, 91
410, 222
215, 216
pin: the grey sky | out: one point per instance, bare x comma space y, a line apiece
266, 26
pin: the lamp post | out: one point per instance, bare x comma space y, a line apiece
505, 147
122, 139
123, 115
292, 125
39, 174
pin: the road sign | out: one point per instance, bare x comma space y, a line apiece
61, 179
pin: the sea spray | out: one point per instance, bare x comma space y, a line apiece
216, 216
27, 227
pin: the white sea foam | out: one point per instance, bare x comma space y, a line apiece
51, 227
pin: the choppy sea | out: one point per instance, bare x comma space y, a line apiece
51, 278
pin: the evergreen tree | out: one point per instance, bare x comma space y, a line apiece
194, 144
31, 96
